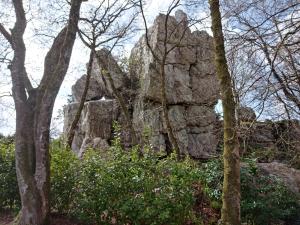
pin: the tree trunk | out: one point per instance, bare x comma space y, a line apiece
230, 213
34, 108
31, 212
71, 132
32, 159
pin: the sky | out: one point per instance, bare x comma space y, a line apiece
36, 51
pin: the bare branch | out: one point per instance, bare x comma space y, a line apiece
6, 34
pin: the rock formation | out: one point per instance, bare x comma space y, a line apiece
192, 92
95, 125
191, 87
289, 176
246, 114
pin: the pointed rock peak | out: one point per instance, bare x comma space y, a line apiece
180, 16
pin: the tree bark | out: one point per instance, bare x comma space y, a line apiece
71, 132
34, 108
230, 213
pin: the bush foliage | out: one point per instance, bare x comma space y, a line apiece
122, 188
264, 199
9, 193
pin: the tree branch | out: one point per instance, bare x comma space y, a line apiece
6, 34
60, 52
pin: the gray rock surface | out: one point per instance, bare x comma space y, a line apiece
192, 92
94, 143
246, 114
105, 63
289, 176
98, 117
191, 87
70, 111
95, 125
95, 91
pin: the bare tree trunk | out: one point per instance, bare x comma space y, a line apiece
230, 214
25, 166
71, 132
34, 108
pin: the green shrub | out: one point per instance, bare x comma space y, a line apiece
65, 167
121, 186
118, 185
211, 176
136, 191
9, 193
263, 198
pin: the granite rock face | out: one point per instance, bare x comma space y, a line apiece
191, 87
189, 69
69, 114
192, 92
105, 63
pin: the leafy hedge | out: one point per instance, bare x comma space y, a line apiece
119, 187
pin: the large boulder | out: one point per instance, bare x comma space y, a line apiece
103, 64
193, 126
94, 128
95, 91
191, 86
70, 111
96, 143
98, 117
189, 70
289, 176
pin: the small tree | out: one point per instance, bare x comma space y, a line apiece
263, 41
101, 28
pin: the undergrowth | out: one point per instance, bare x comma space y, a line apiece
120, 187
264, 199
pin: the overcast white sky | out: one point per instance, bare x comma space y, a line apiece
36, 52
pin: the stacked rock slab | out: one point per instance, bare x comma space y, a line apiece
192, 89
94, 130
